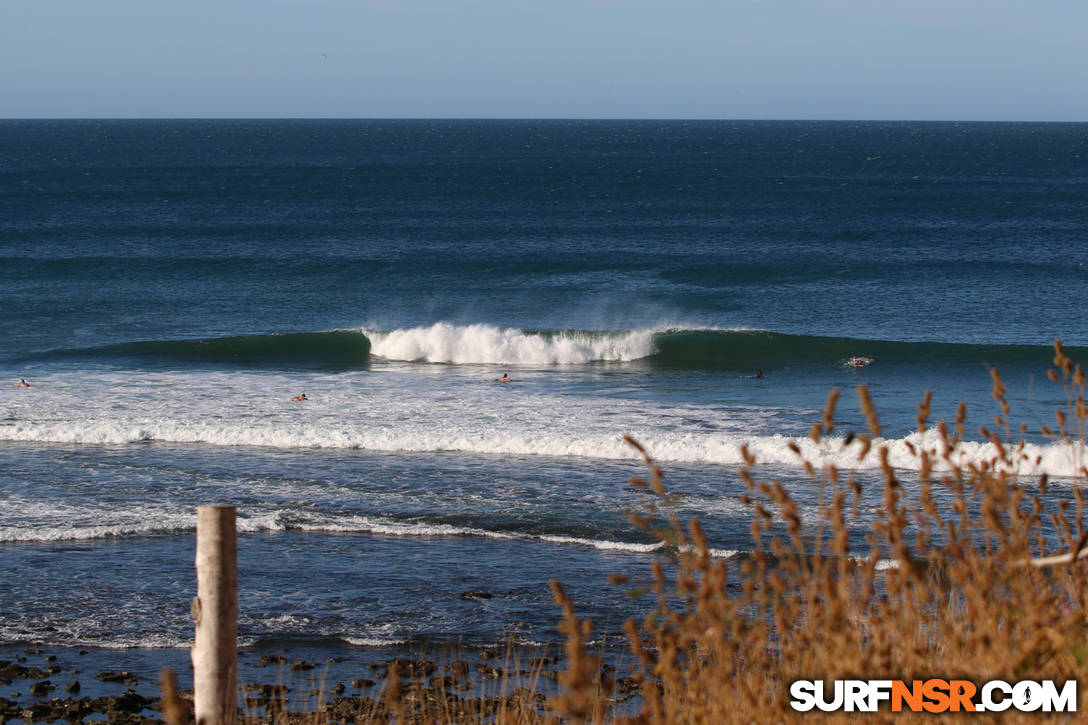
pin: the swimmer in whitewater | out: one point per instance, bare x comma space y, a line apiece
504, 379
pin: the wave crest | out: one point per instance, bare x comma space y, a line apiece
486, 344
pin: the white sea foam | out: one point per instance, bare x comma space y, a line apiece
490, 345
77, 526
91, 633
378, 635
604, 545
36, 520
373, 641
65, 533
24, 519
448, 412
386, 527
285, 621
142, 641
1054, 459
716, 553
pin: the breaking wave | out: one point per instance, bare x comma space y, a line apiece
484, 344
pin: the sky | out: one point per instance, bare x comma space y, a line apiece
728, 59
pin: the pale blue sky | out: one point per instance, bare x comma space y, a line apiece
817, 59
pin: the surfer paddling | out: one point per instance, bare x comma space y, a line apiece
504, 379
300, 398
23, 383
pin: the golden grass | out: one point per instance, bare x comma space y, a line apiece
985, 582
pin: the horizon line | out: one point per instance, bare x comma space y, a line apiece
585, 119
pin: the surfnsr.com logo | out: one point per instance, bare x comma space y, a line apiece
933, 695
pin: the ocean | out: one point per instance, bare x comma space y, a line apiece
169, 288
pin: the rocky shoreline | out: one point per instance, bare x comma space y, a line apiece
54, 685
43, 681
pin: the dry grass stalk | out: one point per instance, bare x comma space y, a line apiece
175, 710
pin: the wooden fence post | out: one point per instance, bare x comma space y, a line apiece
215, 613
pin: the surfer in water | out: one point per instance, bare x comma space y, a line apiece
757, 376
302, 397
23, 383
504, 379
859, 362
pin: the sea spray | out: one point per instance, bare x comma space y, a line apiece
487, 344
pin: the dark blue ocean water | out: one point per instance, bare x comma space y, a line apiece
168, 287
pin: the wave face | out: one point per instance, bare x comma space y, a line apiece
482, 344
758, 349
332, 350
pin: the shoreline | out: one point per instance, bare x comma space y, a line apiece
48, 683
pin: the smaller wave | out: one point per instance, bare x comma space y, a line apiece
373, 641
69, 533
285, 520
302, 627
386, 527
143, 641
14, 634
717, 553
283, 620
143, 524
604, 545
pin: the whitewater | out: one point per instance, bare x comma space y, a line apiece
484, 344
397, 408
